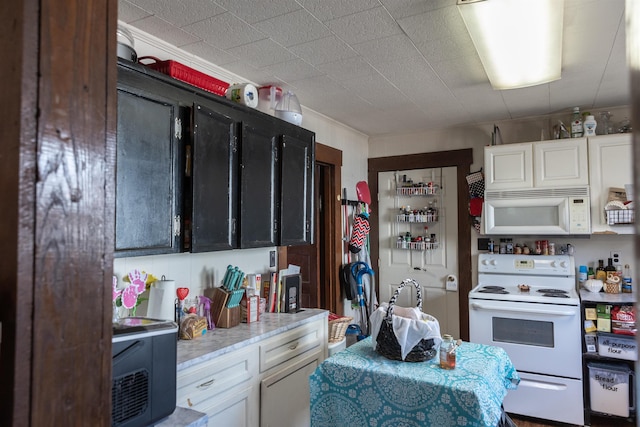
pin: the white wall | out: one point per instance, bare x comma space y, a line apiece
588, 250
198, 271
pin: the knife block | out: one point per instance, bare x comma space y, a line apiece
222, 316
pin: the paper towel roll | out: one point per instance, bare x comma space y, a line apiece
244, 93
162, 299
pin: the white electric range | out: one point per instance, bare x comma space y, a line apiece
529, 305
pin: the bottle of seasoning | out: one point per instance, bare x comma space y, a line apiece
600, 273
447, 352
590, 273
610, 269
626, 280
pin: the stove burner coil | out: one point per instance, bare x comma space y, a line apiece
552, 291
493, 290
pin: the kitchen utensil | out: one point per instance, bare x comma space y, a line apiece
362, 190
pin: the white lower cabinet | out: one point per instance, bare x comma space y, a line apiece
225, 388
284, 395
263, 384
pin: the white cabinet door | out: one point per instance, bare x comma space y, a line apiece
508, 166
561, 163
284, 395
225, 388
237, 409
610, 165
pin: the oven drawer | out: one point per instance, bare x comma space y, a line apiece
550, 398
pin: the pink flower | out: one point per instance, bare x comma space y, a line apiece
138, 281
129, 297
115, 291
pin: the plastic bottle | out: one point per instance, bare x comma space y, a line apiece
600, 273
626, 280
576, 124
582, 274
589, 126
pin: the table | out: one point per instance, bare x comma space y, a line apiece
359, 387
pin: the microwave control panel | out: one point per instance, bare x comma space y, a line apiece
579, 215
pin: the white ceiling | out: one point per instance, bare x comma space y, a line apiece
389, 66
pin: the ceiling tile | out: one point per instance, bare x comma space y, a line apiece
253, 11
247, 72
460, 72
181, 13
326, 10
393, 49
128, 12
209, 53
328, 49
225, 31
262, 53
362, 26
349, 68
293, 28
403, 8
165, 31
291, 71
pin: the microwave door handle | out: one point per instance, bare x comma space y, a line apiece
493, 307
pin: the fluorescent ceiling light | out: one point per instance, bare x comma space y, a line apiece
519, 41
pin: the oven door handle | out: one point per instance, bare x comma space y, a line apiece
494, 307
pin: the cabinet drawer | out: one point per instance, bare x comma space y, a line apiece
199, 383
290, 344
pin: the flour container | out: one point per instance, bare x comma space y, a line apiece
611, 387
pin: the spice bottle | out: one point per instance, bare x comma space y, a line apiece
626, 280
447, 352
600, 273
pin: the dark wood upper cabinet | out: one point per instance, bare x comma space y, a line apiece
197, 172
296, 190
148, 179
259, 186
212, 164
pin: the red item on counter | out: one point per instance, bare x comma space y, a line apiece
623, 320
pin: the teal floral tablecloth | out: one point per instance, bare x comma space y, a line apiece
359, 387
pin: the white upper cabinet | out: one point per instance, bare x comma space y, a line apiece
508, 166
560, 163
610, 165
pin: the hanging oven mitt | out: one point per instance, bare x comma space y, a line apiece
359, 233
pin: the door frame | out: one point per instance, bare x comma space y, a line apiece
462, 160
332, 158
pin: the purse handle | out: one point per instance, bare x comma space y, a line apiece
392, 302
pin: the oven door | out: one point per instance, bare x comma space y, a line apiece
539, 338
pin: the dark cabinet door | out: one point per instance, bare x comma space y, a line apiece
147, 175
259, 186
296, 190
214, 154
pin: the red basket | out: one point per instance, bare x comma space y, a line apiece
187, 74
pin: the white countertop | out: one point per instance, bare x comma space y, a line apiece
221, 340
606, 298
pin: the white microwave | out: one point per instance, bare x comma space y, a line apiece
536, 211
